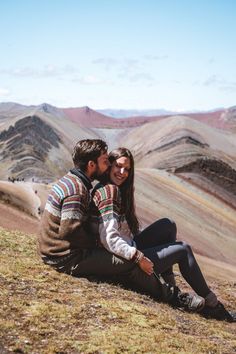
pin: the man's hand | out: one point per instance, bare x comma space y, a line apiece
146, 265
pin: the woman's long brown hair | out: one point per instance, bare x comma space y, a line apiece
127, 189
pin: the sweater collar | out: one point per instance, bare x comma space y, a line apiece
83, 177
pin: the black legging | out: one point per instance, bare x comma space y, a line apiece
161, 232
164, 256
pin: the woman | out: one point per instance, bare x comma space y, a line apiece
154, 249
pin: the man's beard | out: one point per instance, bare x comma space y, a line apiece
99, 176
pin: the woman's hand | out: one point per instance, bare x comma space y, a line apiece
146, 265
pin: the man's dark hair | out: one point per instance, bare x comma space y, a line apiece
87, 150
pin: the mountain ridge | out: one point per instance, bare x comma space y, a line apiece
216, 117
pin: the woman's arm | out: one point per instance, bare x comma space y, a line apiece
113, 241
108, 202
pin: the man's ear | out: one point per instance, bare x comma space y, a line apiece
91, 164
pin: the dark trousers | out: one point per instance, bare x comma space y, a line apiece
101, 264
161, 232
158, 243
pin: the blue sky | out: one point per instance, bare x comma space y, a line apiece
126, 54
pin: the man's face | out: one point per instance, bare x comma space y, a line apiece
101, 166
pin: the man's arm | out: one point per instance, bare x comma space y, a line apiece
73, 215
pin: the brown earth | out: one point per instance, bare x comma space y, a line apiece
15, 219
203, 220
21, 204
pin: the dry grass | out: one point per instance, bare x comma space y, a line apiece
46, 312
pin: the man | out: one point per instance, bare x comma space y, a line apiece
65, 242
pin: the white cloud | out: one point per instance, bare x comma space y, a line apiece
131, 64
221, 83
123, 65
130, 69
4, 92
211, 60
90, 80
46, 71
229, 87
212, 80
142, 77
108, 63
155, 57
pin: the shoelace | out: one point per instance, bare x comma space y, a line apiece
185, 298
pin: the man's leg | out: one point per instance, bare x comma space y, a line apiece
144, 283
101, 263
97, 262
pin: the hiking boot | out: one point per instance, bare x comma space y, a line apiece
169, 279
188, 302
219, 313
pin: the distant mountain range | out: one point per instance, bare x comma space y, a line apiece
125, 113
36, 141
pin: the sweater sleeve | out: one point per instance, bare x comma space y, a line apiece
73, 215
108, 202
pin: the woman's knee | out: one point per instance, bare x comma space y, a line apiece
172, 227
168, 222
186, 247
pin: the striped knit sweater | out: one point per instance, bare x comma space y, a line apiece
64, 226
110, 222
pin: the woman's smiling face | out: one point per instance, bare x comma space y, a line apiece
120, 169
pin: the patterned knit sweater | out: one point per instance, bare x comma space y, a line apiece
110, 222
64, 226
